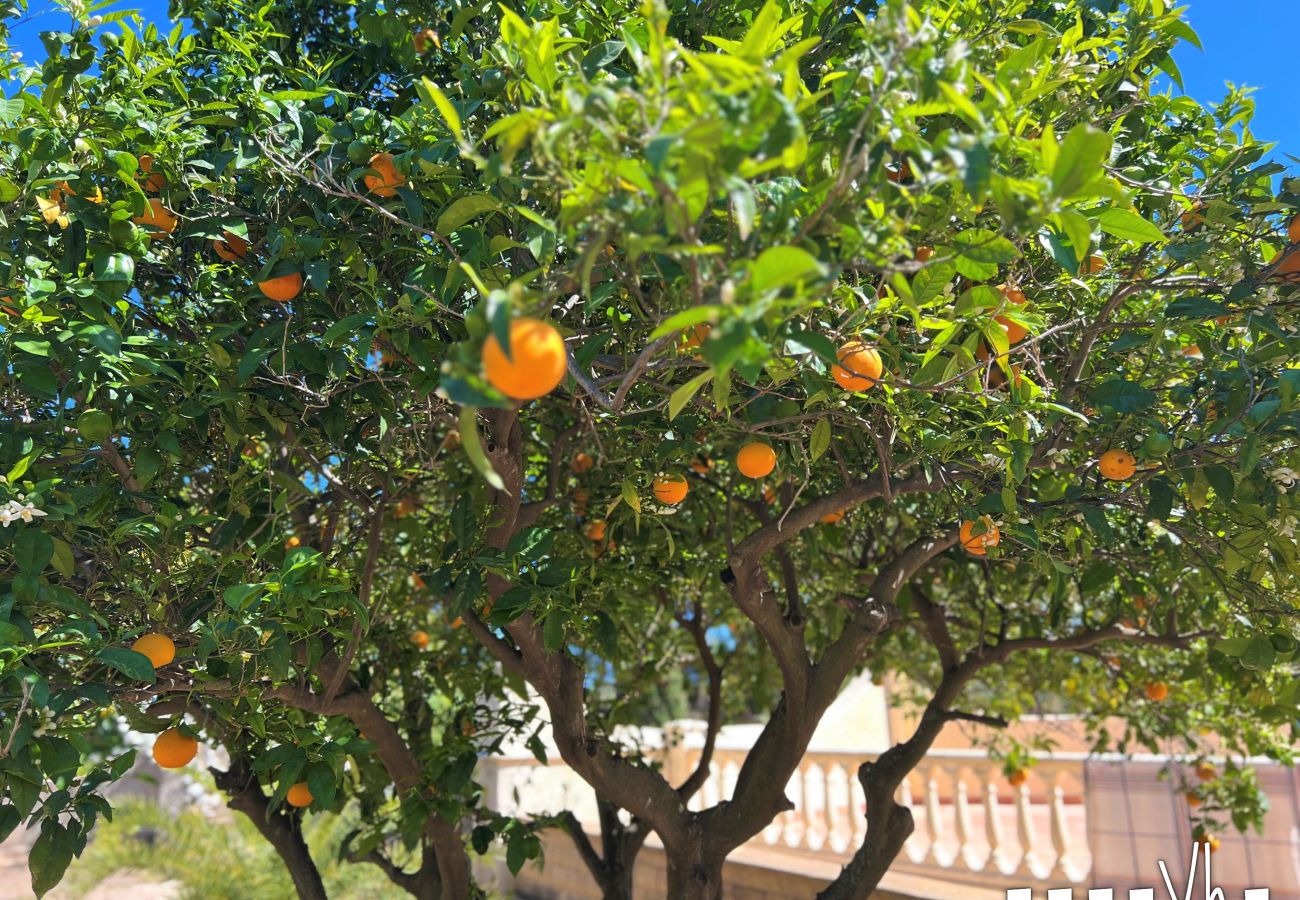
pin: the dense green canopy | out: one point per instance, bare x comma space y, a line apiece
244, 402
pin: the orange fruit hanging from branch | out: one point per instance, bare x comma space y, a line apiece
536, 364
282, 288
160, 649
1117, 465
385, 179
978, 544
670, 489
299, 795
158, 217
859, 366
230, 247
173, 750
756, 459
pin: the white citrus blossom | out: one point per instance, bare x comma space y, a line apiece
1284, 477
13, 511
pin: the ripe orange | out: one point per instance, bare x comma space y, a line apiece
1193, 799
457, 622
293, 542
230, 246
1117, 465
1290, 266
420, 639
1017, 778
282, 288
1013, 294
1193, 218
582, 462
1157, 691
1015, 331
978, 544
1293, 230
1094, 264
769, 494
425, 39
832, 517
899, 173
173, 750
701, 465
386, 179
404, 508
595, 530
859, 366
158, 647
1205, 770
299, 795
537, 360
417, 582
670, 489
1213, 843
924, 253
1193, 351
158, 217
156, 180
756, 459
694, 338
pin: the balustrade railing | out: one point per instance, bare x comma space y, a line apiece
972, 825
970, 821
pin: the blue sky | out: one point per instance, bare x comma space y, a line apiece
1248, 42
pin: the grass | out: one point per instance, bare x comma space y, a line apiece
216, 860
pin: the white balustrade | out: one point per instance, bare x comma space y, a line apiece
971, 824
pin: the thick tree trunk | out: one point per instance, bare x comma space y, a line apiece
283, 830
694, 864
889, 825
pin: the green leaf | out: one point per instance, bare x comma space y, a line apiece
133, 665
1129, 226
1259, 654
778, 267
32, 549
821, 439
553, 631
683, 394
630, 495
981, 251
49, 857
63, 560
431, 93
240, 596
1195, 308
469, 439
464, 210
322, 784
1160, 501
684, 319
1122, 396
9, 819
1080, 162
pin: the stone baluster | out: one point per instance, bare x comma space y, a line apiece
1063, 866
858, 809
997, 858
1029, 857
933, 827
965, 833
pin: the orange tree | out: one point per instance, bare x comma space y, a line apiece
927, 337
